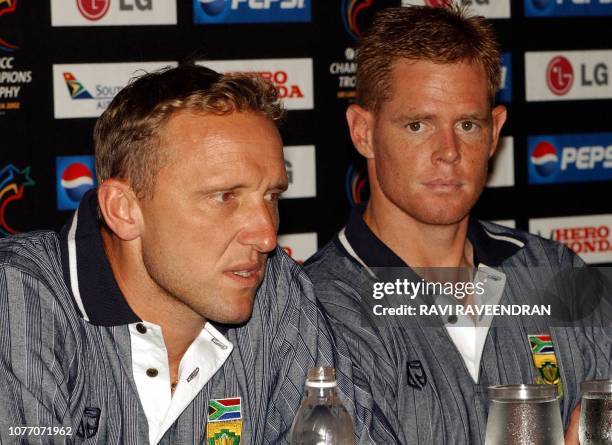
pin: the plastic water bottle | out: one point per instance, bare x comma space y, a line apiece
321, 419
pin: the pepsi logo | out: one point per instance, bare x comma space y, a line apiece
212, 7
76, 180
559, 75
545, 158
93, 9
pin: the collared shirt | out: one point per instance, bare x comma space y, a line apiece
489, 250
421, 374
73, 353
100, 301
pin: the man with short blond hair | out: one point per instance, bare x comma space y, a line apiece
164, 312
426, 122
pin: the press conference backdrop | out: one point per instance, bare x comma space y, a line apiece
62, 61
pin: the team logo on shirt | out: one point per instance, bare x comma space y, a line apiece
545, 361
89, 423
224, 421
416, 375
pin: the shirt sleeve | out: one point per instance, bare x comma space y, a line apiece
33, 386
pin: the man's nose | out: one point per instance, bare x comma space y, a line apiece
260, 229
446, 147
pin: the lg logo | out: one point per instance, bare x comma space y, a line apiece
559, 75
96, 9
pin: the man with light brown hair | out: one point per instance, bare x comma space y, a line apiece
426, 122
164, 312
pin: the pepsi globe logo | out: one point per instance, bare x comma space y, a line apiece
93, 9
77, 179
559, 75
212, 7
545, 158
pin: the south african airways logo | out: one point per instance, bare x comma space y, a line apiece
545, 158
76, 88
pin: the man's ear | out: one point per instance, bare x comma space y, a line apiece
499, 115
120, 209
361, 123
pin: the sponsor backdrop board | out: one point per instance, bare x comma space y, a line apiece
61, 62
112, 13
85, 90
589, 236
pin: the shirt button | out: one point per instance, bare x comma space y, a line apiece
152, 372
141, 328
452, 319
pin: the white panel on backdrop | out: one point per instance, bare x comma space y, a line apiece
506, 223
85, 90
292, 77
502, 170
588, 236
300, 246
301, 170
493, 9
112, 12
568, 75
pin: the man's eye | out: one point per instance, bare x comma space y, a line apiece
467, 125
415, 127
223, 196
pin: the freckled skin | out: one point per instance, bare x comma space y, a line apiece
432, 141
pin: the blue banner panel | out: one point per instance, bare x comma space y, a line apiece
251, 11
567, 8
505, 92
553, 159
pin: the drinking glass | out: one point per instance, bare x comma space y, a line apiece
596, 413
524, 415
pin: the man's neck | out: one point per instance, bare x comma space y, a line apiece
417, 243
180, 325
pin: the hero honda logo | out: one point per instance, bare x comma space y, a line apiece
93, 9
588, 236
570, 158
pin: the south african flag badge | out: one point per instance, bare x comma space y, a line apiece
545, 361
224, 421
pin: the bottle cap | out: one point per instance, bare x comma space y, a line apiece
321, 377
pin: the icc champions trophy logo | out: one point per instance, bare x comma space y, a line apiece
351, 9
12, 186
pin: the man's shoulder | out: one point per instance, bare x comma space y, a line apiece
331, 262
533, 249
35, 253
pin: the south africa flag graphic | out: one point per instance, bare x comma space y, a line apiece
220, 410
